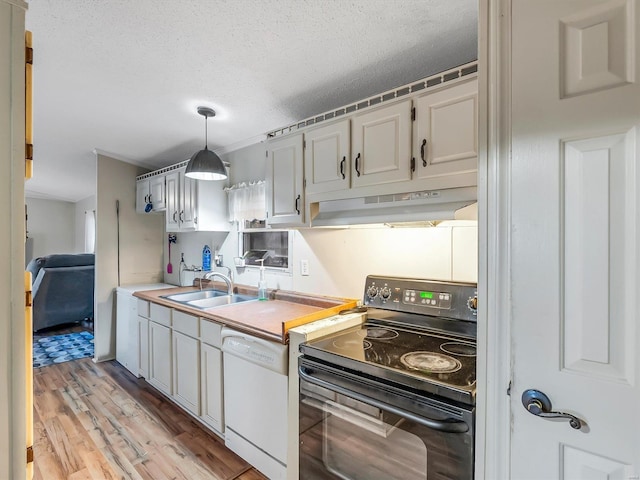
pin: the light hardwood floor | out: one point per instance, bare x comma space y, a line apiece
97, 421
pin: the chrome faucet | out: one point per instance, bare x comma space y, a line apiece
230, 274
226, 279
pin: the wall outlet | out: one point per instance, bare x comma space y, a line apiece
304, 267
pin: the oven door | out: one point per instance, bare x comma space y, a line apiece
359, 428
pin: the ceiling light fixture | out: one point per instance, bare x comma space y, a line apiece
205, 164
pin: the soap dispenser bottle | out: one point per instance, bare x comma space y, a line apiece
262, 283
206, 258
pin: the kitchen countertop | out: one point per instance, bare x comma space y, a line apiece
270, 319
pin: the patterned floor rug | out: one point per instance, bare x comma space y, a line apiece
61, 348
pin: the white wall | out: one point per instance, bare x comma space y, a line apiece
191, 244
81, 207
131, 244
52, 225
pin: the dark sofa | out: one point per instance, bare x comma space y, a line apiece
62, 289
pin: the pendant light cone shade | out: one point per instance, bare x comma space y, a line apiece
205, 164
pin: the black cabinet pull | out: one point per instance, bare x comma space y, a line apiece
413, 164
537, 403
357, 165
342, 163
298, 204
422, 147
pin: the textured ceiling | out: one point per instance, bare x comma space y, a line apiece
125, 76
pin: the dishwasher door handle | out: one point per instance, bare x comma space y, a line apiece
440, 425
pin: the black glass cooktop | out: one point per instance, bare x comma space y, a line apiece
437, 363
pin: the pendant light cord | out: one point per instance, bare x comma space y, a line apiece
206, 132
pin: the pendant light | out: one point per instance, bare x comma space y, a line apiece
205, 164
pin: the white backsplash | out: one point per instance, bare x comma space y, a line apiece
340, 259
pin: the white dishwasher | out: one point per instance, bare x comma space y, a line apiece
255, 400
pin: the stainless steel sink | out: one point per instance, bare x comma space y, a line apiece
196, 295
204, 299
222, 300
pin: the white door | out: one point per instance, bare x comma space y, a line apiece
575, 221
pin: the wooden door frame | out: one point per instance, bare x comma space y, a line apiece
13, 333
493, 429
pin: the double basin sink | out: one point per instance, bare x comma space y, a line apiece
209, 298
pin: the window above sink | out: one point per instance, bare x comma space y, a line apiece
271, 246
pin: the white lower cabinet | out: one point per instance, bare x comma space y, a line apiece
180, 356
211, 399
186, 371
211, 387
143, 346
160, 357
127, 331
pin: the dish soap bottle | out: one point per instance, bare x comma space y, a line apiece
262, 283
206, 258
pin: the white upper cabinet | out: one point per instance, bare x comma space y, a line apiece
189, 210
381, 146
151, 190
173, 203
195, 205
327, 158
445, 139
285, 179
425, 139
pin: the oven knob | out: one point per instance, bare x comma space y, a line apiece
385, 293
472, 303
372, 292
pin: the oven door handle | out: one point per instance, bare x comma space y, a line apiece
442, 426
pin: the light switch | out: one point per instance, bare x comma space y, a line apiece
304, 267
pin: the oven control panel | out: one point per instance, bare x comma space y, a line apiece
429, 297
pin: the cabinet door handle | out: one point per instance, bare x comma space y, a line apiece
146, 198
181, 217
342, 163
358, 165
298, 204
413, 164
174, 216
422, 147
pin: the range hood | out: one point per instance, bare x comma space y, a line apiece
403, 209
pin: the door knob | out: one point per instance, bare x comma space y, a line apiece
537, 403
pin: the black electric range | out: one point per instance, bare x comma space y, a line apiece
420, 335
